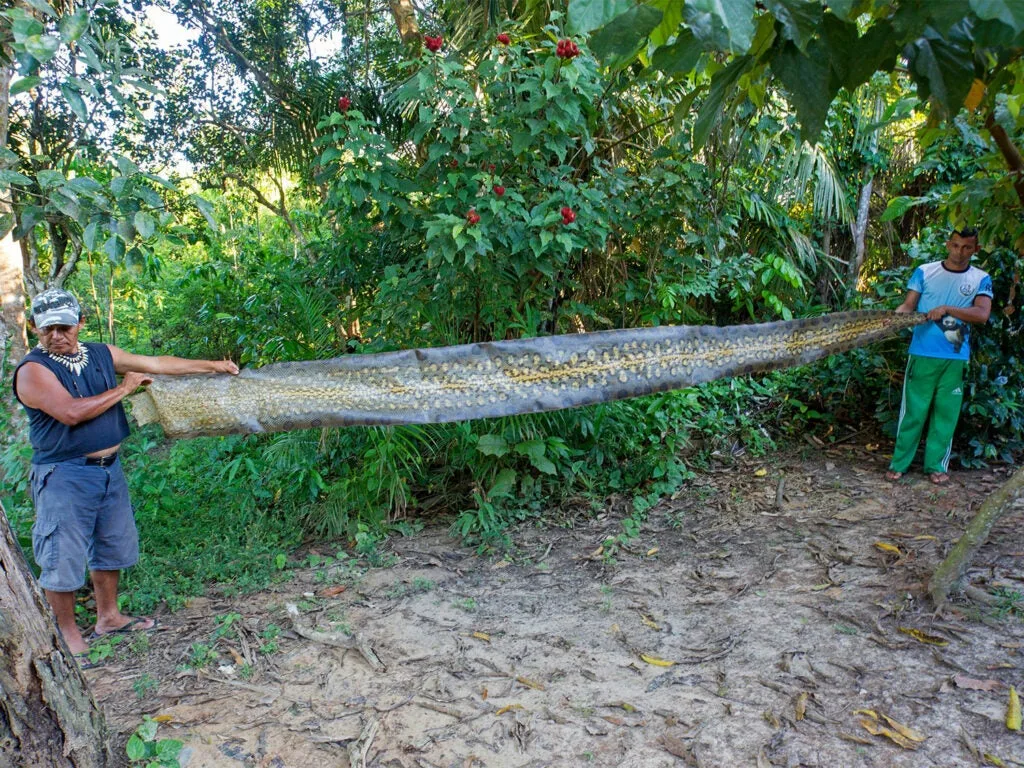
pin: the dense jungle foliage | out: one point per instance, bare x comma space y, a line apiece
295, 182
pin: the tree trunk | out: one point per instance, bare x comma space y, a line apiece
951, 570
48, 716
405, 19
859, 228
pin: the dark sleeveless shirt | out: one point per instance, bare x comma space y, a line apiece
53, 441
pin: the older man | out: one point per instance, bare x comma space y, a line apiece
76, 424
954, 295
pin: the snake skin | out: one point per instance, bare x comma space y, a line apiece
502, 378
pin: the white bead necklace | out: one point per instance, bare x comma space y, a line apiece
75, 363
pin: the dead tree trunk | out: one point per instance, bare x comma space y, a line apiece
48, 716
951, 570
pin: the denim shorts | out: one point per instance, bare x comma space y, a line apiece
83, 519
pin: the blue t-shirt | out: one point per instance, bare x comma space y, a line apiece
948, 338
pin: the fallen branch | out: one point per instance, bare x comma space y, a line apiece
951, 570
337, 640
357, 749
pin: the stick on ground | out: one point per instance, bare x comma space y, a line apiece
951, 570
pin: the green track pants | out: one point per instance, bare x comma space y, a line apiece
933, 390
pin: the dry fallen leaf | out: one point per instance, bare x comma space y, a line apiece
508, 708
332, 591
652, 551
801, 705
873, 727
1013, 715
871, 447
963, 681
923, 637
760, 472
482, 636
993, 760
903, 730
164, 718
647, 621
530, 683
236, 656
656, 661
869, 712
887, 547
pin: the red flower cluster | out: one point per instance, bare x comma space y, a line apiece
453, 163
568, 215
504, 39
472, 217
498, 190
433, 43
567, 49
344, 103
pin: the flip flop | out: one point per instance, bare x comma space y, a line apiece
939, 478
893, 475
131, 626
84, 662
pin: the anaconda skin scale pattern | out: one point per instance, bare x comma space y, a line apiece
502, 378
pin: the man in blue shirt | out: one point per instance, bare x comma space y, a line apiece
76, 424
954, 295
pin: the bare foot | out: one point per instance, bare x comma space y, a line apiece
893, 475
939, 478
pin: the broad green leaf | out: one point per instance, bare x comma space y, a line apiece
503, 483
167, 751
799, 19
671, 21
145, 224
492, 445
587, 15
679, 58
42, 47
806, 78
900, 205
49, 178
724, 24
6, 223
76, 102
30, 216
147, 731
875, 51
73, 25
89, 235
13, 177
942, 70
114, 248
624, 34
24, 25
7, 156
135, 748
66, 205
841, 8
543, 464
43, 7
722, 84
126, 166
25, 83
206, 208
85, 184
1009, 12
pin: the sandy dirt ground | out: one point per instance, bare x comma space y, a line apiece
747, 625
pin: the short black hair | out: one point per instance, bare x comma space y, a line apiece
967, 232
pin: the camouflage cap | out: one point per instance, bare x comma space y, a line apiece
55, 307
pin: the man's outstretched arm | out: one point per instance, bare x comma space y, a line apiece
166, 364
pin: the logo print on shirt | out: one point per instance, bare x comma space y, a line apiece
966, 289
